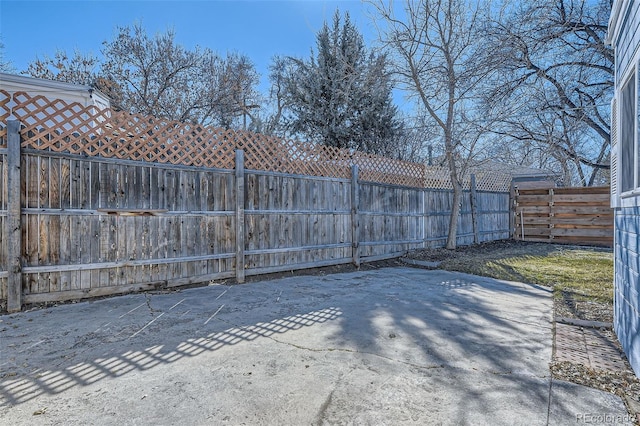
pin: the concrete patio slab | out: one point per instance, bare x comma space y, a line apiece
389, 346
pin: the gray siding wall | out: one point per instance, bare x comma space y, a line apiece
627, 279
628, 41
627, 219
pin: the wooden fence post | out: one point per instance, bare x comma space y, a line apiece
239, 216
512, 211
355, 219
424, 218
474, 210
14, 226
552, 212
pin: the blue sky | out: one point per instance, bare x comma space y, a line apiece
259, 29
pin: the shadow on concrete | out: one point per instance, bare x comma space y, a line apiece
15, 389
476, 338
477, 328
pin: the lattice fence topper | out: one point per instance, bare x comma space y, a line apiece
492, 181
376, 168
5, 112
275, 154
486, 180
437, 177
146, 138
59, 126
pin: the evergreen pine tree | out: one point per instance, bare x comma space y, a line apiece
341, 96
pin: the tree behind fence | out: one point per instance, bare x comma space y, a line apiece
112, 203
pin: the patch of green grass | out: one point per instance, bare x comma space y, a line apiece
586, 274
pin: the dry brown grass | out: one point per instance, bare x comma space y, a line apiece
586, 273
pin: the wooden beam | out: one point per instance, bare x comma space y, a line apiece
474, 210
239, 216
512, 211
424, 218
296, 266
292, 212
295, 249
390, 243
355, 217
14, 222
133, 212
123, 263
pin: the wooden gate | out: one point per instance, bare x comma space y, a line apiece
564, 215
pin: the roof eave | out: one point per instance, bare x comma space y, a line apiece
51, 84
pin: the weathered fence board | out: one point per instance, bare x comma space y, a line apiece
3, 225
492, 211
13, 224
564, 215
70, 245
295, 220
390, 219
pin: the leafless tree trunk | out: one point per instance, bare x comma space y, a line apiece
433, 44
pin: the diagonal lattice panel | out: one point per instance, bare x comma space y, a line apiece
5, 112
386, 170
493, 181
60, 126
437, 178
56, 125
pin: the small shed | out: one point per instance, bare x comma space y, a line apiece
86, 96
522, 177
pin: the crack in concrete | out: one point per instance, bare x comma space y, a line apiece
147, 297
294, 345
323, 408
410, 364
355, 351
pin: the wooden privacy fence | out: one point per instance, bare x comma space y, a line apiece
76, 224
564, 215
